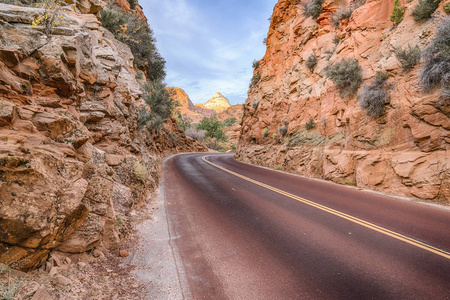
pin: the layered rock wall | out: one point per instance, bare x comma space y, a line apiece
404, 152
73, 162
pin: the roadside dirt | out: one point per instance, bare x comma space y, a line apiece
98, 275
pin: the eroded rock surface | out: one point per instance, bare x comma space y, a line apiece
73, 162
404, 152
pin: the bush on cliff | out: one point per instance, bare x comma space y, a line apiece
162, 106
312, 8
346, 75
374, 96
437, 61
135, 32
408, 57
424, 9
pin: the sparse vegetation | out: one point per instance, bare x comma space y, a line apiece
135, 32
346, 75
312, 8
408, 57
229, 122
311, 62
437, 60
374, 96
424, 9
310, 124
183, 121
397, 13
255, 79
340, 15
265, 132
255, 64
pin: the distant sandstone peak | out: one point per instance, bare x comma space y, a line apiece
218, 103
180, 95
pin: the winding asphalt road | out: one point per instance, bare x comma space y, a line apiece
245, 232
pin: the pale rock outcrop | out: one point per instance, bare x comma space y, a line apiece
218, 103
404, 152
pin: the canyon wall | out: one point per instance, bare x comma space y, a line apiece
295, 120
73, 161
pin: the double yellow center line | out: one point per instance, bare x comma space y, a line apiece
366, 224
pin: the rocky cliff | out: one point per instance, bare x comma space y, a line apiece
73, 160
296, 118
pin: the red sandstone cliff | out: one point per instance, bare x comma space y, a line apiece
73, 160
403, 152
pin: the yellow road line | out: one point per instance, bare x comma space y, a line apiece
361, 222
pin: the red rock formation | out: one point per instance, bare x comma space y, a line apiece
72, 158
404, 152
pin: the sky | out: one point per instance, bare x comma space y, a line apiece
209, 45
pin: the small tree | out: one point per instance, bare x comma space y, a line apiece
50, 18
397, 12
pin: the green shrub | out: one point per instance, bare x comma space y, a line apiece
424, 9
447, 8
132, 3
135, 32
311, 62
183, 121
374, 96
310, 124
346, 75
312, 8
341, 14
265, 132
408, 57
255, 64
397, 12
437, 60
213, 128
160, 102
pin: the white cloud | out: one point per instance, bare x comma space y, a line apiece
209, 47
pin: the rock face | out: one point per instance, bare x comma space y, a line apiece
218, 103
295, 120
73, 162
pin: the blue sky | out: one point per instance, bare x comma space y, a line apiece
209, 46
